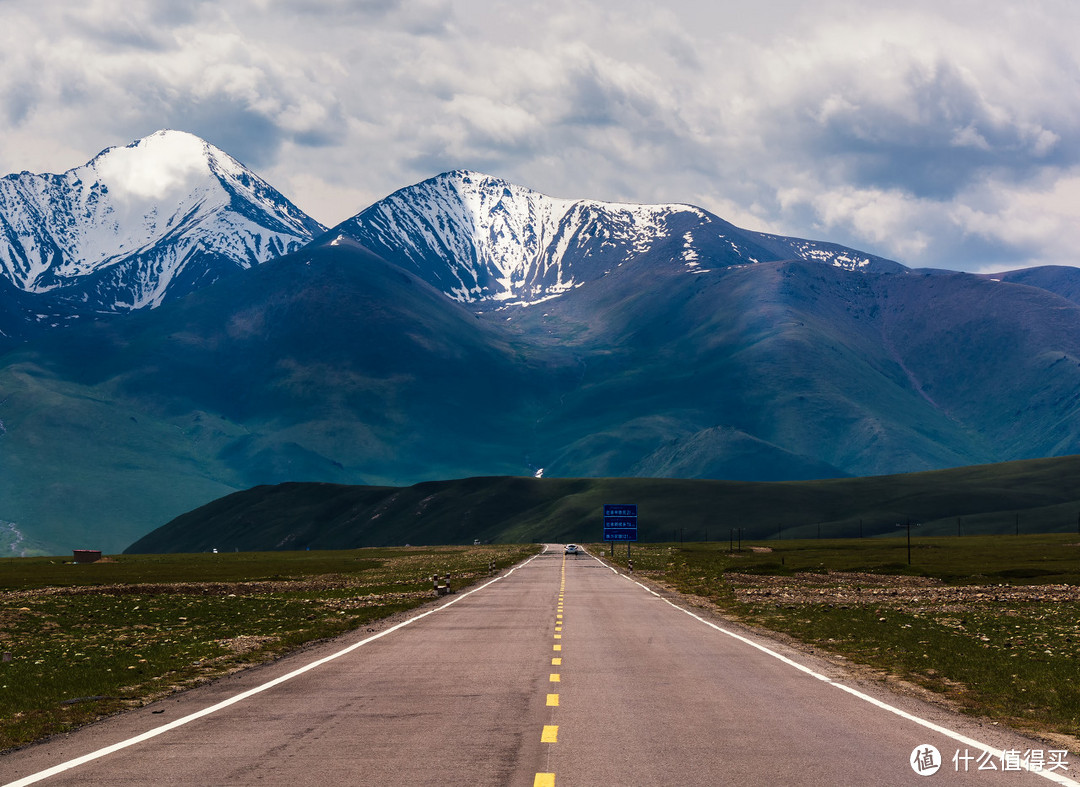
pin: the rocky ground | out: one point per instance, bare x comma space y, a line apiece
847, 589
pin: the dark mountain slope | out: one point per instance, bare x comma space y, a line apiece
791, 359
999, 359
1058, 279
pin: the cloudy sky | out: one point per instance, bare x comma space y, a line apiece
939, 133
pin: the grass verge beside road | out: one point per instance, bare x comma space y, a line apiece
990, 624
83, 641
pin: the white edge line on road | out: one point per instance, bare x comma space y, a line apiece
94, 755
997, 753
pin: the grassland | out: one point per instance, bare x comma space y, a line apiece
83, 641
990, 624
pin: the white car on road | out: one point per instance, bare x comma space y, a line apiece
572, 549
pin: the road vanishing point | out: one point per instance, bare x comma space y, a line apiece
561, 671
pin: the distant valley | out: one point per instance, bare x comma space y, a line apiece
467, 326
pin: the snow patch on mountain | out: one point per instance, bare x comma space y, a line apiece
826, 253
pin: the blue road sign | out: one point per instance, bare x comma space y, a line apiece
620, 522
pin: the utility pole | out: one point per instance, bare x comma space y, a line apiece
908, 526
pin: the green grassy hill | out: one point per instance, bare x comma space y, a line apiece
1038, 495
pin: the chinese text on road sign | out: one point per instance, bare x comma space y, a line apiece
620, 522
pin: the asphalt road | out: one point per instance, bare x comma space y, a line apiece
562, 672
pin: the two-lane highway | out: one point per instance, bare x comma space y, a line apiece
561, 672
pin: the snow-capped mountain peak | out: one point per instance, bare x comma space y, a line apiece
484, 240
141, 222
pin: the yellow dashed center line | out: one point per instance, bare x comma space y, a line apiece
551, 731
